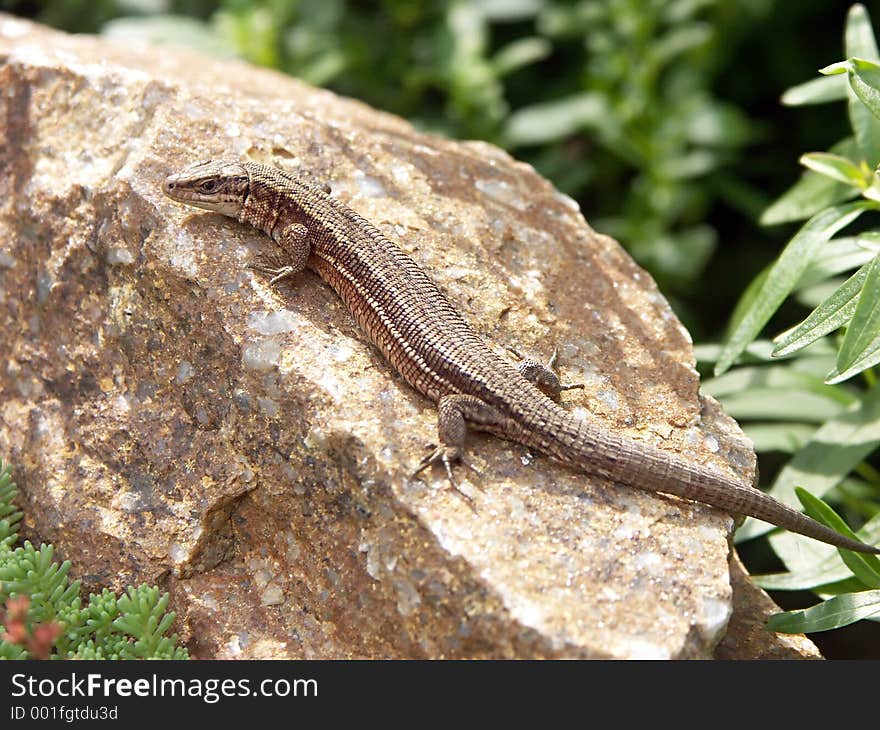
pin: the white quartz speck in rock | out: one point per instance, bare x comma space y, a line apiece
645, 650
408, 597
185, 371
273, 323
128, 501
649, 561
177, 552
714, 615
119, 256
609, 398
153, 95
233, 646
332, 384
402, 174
261, 355
530, 284
372, 565
341, 351
501, 191
315, 438
272, 596
369, 186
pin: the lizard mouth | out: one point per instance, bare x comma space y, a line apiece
178, 189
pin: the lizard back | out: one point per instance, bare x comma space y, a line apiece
398, 306
429, 342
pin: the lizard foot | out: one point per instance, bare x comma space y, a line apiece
543, 376
446, 455
274, 267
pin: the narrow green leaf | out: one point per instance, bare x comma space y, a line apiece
508, 11
859, 42
841, 254
680, 39
760, 351
785, 438
782, 405
859, 37
868, 359
757, 351
813, 296
872, 192
831, 614
836, 447
837, 168
782, 277
772, 377
864, 327
823, 572
813, 192
863, 566
809, 195
816, 91
869, 240
551, 121
833, 313
864, 79
520, 53
835, 69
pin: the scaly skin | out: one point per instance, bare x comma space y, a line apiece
432, 346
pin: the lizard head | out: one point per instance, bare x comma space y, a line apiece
220, 186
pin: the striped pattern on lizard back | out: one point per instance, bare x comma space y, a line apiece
429, 342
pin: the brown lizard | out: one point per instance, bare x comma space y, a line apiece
429, 342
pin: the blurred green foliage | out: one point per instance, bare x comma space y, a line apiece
612, 100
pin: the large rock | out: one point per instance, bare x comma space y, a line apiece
176, 420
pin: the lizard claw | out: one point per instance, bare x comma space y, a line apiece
274, 267
277, 273
446, 455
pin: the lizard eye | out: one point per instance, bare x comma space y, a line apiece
209, 186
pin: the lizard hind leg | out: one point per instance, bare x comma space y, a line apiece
543, 376
454, 412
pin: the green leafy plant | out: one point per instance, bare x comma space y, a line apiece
812, 392
43, 617
612, 100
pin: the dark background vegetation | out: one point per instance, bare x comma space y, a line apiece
660, 117
683, 200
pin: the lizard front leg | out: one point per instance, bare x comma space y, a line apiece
293, 240
454, 412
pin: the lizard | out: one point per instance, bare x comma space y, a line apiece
428, 341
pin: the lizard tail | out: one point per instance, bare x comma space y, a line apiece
636, 464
